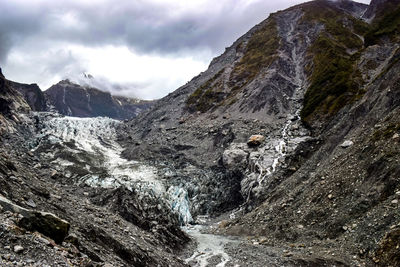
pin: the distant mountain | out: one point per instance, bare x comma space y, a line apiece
72, 99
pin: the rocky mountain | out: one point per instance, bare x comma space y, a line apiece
284, 152
319, 83
72, 99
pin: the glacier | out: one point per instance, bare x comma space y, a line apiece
97, 138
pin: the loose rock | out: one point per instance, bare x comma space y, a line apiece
255, 140
18, 249
347, 144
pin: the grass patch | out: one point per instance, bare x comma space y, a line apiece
388, 25
386, 133
260, 53
334, 80
206, 96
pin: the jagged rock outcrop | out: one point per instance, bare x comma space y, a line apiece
72, 99
12, 107
32, 95
45, 223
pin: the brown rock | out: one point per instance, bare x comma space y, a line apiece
255, 140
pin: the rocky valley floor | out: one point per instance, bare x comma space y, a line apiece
73, 169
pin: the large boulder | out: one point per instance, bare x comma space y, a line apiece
46, 223
234, 159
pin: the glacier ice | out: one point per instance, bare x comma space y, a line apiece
97, 137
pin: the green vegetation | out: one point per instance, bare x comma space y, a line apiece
388, 25
207, 95
334, 82
386, 132
260, 53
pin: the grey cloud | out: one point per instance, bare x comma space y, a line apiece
31, 27
143, 26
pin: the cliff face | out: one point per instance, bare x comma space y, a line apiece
74, 100
319, 82
32, 95
12, 107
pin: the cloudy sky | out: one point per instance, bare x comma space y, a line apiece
141, 48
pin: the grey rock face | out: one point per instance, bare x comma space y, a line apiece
32, 94
235, 159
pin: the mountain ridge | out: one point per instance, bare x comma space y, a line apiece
72, 99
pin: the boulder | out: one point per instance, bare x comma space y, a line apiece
347, 143
46, 223
234, 159
255, 140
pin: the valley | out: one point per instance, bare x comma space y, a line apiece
284, 152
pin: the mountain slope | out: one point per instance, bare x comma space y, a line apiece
264, 83
326, 103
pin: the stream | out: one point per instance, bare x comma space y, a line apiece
210, 248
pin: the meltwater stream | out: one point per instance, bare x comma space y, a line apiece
209, 248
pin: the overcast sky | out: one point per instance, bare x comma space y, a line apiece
141, 48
